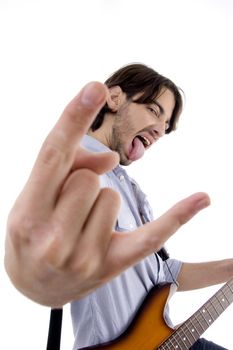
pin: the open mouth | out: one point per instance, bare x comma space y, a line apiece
145, 141
137, 149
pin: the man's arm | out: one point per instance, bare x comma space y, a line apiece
200, 275
60, 243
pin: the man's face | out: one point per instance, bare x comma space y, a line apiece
137, 126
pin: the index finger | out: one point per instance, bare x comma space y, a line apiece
78, 116
59, 149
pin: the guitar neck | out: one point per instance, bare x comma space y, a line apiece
191, 330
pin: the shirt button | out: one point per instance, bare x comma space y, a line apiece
121, 177
131, 226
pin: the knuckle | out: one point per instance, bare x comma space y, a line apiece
19, 228
111, 197
149, 239
56, 148
86, 267
32, 233
86, 180
81, 186
54, 251
50, 153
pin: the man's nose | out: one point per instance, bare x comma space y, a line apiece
160, 129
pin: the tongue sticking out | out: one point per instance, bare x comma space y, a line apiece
137, 150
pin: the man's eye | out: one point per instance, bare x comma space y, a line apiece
154, 111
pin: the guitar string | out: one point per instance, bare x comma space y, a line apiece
174, 335
186, 332
211, 305
203, 314
185, 336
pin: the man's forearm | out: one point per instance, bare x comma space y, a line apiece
200, 275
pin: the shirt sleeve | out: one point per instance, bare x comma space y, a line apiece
171, 269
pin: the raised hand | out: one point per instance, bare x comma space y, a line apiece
60, 243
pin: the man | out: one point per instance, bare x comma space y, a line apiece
59, 220
142, 106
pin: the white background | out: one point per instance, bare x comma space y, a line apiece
49, 49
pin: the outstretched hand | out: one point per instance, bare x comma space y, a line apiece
60, 243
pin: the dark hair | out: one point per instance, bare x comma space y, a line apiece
136, 78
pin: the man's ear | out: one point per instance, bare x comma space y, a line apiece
114, 98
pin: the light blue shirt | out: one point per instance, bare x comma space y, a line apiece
104, 314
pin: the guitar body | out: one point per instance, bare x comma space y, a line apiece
148, 329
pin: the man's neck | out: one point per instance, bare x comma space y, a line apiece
100, 136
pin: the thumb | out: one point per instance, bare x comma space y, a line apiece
129, 248
167, 224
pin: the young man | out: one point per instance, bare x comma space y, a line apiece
142, 106
59, 219
58, 232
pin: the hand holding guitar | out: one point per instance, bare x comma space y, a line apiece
60, 243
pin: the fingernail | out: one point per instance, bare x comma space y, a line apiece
203, 203
92, 94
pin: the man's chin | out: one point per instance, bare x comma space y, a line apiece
125, 159
125, 162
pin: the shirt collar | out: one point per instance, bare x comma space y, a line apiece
93, 144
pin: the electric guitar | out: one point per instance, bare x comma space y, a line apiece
148, 330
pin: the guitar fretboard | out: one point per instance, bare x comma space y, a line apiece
191, 330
